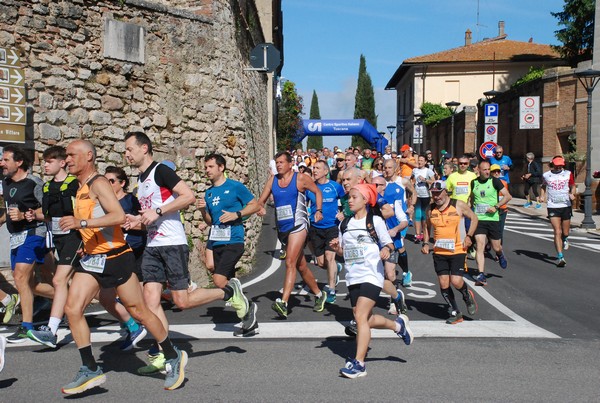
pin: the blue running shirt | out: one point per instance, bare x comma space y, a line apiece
290, 205
231, 196
332, 192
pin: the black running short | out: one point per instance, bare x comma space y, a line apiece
320, 238
226, 257
565, 213
489, 228
445, 265
66, 248
367, 290
167, 264
117, 270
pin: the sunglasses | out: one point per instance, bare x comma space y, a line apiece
463, 163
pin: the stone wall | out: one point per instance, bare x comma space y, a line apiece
191, 94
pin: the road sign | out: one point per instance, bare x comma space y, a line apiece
491, 133
13, 111
487, 149
265, 57
490, 112
529, 112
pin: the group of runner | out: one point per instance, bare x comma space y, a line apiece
124, 250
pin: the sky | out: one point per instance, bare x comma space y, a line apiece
323, 41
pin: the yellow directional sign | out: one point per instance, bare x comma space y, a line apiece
13, 111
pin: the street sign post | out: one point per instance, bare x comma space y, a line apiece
491, 113
13, 111
491, 133
529, 112
265, 57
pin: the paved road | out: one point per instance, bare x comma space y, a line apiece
535, 337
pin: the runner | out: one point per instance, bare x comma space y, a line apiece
558, 190
165, 261
57, 202
449, 248
395, 195
458, 185
365, 274
291, 213
503, 161
107, 262
322, 232
22, 193
423, 177
485, 199
223, 207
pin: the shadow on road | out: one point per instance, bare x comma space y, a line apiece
544, 257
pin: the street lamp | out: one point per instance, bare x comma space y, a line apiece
588, 78
452, 105
401, 122
391, 129
491, 94
419, 126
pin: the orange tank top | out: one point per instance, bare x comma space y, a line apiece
96, 240
447, 230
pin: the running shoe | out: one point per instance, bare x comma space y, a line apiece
561, 262
565, 243
11, 308
320, 302
133, 338
538, 206
339, 270
2, 348
280, 307
353, 369
19, 336
84, 380
253, 331
331, 296
351, 330
471, 253
407, 279
238, 301
404, 333
455, 317
175, 368
43, 335
502, 261
157, 364
527, 205
400, 303
249, 321
481, 279
282, 254
471, 303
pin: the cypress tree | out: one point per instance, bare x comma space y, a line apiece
289, 122
364, 101
315, 142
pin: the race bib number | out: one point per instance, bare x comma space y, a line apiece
461, 190
93, 263
354, 254
17, 239
447, 244
559, 199
56, 228
481, 208
284, 212
220, 233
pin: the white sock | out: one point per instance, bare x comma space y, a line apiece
398, 327
319, 294
6, 300
53, 324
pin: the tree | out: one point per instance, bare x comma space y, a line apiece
289, 122
577, 36
364, 101
434, 113
315, 142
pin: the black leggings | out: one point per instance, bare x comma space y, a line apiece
533, 186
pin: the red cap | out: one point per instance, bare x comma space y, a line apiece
404, 148
558, 161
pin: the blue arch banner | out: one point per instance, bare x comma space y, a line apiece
343, 127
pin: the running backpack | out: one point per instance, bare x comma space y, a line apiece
370, 226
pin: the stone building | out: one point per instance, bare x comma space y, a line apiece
173, 69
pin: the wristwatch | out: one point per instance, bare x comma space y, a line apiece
83, 224
159, 211
239, 214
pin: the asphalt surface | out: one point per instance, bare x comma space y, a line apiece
535, 337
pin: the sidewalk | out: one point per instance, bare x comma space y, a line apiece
516, 204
